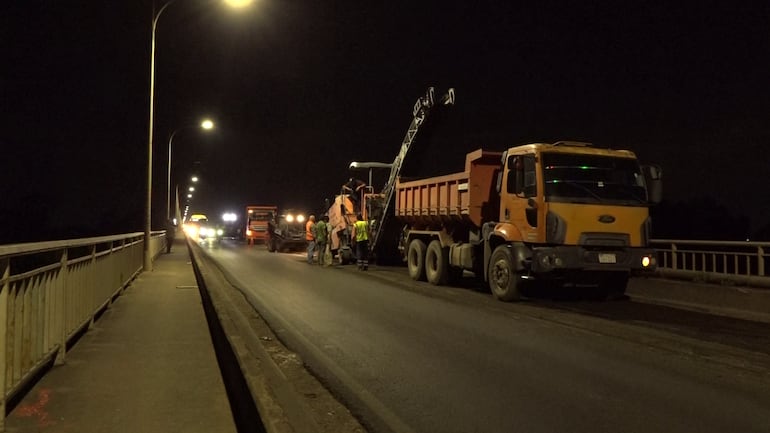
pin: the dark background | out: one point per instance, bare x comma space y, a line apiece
301, 88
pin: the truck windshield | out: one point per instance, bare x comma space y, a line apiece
259, 217
578, 178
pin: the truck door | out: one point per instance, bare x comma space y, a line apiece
519, 203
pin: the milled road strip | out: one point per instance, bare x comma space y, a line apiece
289, 398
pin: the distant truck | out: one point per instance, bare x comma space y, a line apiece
257, 218
286, 231
566, 214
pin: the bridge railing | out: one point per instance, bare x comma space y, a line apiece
50, 292
740, 263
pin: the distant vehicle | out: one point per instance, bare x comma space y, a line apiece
257, 218
286, 232
233, 229
209, 232
192, 226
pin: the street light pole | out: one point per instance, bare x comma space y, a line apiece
205, 125
148, 205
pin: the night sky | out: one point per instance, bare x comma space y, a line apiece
301, 88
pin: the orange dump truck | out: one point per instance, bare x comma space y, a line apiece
565, 213
257, 218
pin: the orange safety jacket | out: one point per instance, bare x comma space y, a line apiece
309, 231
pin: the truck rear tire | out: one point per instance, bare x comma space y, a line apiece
346, 256
437, 264
415, 260
504, 280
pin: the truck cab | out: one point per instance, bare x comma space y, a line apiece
257, 218
571, 212
286, 231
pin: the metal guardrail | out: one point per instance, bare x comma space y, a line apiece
732, 262
52, 291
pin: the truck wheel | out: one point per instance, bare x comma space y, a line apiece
504, 281
437, 263
415, 260
346, 256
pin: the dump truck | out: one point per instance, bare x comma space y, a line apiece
257, 218
542, 214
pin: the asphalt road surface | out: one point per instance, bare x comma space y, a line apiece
407, 356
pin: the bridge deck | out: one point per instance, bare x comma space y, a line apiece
148, 364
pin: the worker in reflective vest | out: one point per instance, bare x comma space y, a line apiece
361, 236
310, 238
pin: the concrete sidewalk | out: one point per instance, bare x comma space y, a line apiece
147, 365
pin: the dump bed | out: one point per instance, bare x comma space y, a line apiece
468, 197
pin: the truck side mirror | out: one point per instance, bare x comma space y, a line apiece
653, 176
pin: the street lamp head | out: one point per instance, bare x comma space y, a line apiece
194, 178
237, 4
207, 124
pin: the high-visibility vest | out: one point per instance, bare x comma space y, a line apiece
309, 228
362, 231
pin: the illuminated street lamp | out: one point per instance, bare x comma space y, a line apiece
238, 3
148, 205
206, 125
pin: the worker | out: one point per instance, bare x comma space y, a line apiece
321, 238
361, 235
170, 234
310, 238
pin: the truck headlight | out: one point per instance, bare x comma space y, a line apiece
648, 261
300, 218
